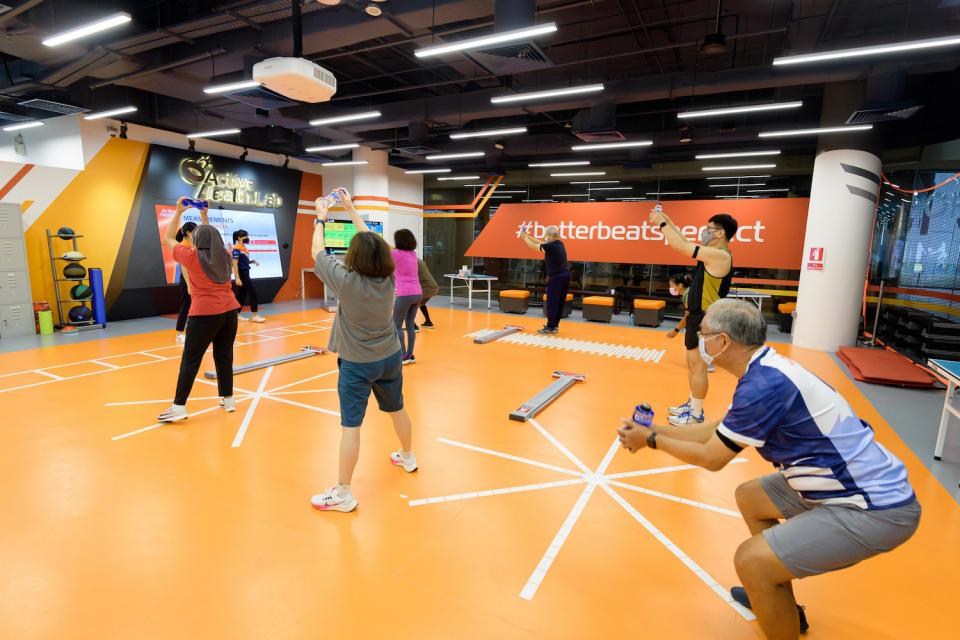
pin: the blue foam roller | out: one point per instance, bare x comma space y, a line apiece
99, 306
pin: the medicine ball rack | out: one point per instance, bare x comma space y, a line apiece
58, 280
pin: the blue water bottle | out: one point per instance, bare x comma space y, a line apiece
643, 414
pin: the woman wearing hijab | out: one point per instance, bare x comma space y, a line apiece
184, 237
213, 311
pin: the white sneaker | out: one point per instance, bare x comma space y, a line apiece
681, 409
242, 318
181, 339
408, 461
258, 318
334, 500
686, 418
229, 404
175, 413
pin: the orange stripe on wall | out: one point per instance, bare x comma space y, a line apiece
17, 177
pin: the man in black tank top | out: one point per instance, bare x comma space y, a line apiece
558, 275
711, 282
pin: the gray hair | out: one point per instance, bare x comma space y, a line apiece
740, 320
553, 230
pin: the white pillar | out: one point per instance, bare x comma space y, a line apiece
840, 222
370, 180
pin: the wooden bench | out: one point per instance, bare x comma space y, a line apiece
598, 308
648, 312
514, 300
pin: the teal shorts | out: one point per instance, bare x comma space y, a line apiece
358, 379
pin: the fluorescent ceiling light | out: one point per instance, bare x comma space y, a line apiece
85, 30
489, 133
669, 193
333, 147
740, 154
211, 134
736, 197
570, 195
736, 177
596, 182
578, 173
344, 163
458, 178
876, 50
739, 184
815, 131
474, 185
611, 145
455, 156
512, 191
609, 188
745, 109
232, 86
366, 115
573, 163
542, 200
501, 197
485, 41
23, 125
553, 93
415, 171
764, 190
742, 167
111, 112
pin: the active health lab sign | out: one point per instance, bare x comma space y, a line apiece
770, 236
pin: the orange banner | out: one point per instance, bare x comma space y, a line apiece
770, 236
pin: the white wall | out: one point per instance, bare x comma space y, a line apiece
58, 143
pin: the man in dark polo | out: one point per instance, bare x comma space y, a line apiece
558, 275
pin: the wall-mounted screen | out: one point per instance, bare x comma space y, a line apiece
261, 225
337, 234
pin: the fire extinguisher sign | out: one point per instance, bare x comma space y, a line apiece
815, 262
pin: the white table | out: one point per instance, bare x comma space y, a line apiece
951, 371
756, 296
469, 287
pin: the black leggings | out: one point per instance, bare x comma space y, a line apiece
219, 329
184, 304
423, 307
246, 289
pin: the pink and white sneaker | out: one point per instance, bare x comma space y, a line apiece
334, 499
404, 459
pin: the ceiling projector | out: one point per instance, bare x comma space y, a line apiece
296, 78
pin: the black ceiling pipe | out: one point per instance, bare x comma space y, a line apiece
297, 29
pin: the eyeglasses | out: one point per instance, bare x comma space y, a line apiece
706, 334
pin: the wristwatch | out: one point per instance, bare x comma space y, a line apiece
317, 221
663, 224
652, 440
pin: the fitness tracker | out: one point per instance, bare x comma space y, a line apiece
663, 224
652, 440
317, 221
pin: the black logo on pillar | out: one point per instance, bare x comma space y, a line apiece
863, 173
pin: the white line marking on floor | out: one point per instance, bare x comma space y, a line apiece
496, 492
559, 445
650, 472
125, 404
675, 550
285, 393
251, 409
41, 372
302, 405
106, 364
508, 456
164, 424
320, 375
667, 496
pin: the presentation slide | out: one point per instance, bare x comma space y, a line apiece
261, 226
337, 234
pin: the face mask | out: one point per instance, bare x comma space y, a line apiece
673, 292
244, 240
706, 237
703, 351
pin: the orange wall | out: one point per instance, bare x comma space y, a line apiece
95, 204
311, 188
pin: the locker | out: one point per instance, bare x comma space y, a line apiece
11, 221
16, 320
13, 254
14, 287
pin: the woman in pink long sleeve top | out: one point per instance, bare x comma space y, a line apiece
408, 290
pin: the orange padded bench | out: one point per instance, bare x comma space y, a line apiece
785, 319
648, 312
567, 306
598, 308
514, 300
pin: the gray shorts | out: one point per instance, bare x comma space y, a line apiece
816, 538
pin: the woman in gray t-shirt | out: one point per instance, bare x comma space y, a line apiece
364, 337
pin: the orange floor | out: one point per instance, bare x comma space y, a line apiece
114, 527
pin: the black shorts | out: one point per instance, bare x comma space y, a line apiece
690, 338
